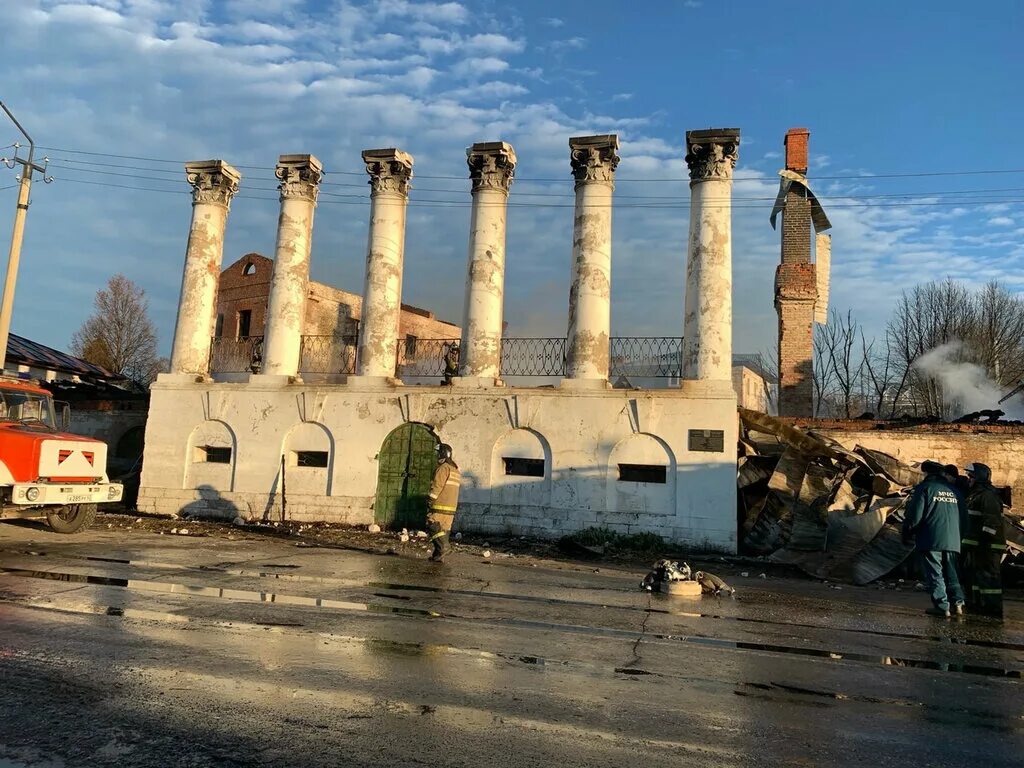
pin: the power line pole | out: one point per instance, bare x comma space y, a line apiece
18, 233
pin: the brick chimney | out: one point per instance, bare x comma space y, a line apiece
796, 289
796, 149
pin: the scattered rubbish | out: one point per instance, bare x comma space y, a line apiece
745, 574
138, 520
763, 576
458, 536
486, 553
485, 544
373, 528
238, 521
421, 534
174, 530
403, 537
182, 531
712, 584
671, 578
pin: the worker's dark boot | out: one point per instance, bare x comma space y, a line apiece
441, 546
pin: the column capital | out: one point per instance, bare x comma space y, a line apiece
492, 165
390, 171
711, 155
594, 158
300, 176
213, 181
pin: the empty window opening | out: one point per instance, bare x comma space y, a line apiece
250, 269
524, 467
410, 346
244, 323
311, 458
212, 454
643, 473
219, 330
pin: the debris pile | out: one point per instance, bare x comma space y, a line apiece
807, 501
672, 578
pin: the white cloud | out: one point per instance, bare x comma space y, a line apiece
552, 22
493, 45
572, 43
477, 67
1000, 221
432, 13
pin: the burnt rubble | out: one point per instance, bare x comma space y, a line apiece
805, 500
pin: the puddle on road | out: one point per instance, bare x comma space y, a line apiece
240, 595
287, 576
157, 587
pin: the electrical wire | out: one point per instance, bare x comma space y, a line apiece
860, 176
916, 198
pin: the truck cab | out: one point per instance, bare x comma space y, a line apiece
46, 471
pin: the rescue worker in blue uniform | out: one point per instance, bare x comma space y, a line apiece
983, 544
932, 523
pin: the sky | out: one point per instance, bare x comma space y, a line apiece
906, 103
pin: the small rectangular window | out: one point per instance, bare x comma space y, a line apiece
524, 467
219, 330
410, 346
311, 458
244, 323
643, 473
213, 455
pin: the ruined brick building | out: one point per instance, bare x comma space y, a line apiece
801, 286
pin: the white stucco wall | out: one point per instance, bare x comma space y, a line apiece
581, 435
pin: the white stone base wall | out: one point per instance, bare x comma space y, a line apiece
582, 436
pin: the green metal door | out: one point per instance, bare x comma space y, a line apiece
406, 467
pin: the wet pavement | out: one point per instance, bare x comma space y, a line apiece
135, 648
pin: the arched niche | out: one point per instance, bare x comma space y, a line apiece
521, 469
642, 476
210, 457
308, 451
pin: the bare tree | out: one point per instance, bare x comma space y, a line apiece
843, 364
119, 335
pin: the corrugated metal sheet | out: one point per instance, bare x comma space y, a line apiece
23, 351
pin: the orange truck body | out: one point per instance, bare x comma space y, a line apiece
41, 466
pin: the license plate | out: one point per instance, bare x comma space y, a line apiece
78, 498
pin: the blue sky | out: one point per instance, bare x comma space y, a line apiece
885, 88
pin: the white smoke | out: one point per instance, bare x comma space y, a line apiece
965, 386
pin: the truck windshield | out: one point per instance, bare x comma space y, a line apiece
26, 407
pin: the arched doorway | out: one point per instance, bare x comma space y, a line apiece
407, 461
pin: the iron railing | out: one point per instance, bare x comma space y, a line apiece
533, 357
635, 357
645, 357
328, 354
427, 358
243, 355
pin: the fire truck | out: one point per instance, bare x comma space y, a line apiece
45, 471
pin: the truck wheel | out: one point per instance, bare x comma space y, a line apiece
72, 518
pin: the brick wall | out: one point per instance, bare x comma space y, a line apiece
329, 311
796, 290
999, 447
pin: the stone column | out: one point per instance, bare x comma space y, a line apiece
707, 330
214, 183
491, 168
300, 179
593, 160
390, 171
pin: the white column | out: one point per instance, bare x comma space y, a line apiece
491, 169
300, 179
707, 329
214, 183
593, 160
390, 171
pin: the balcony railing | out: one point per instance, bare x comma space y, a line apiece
243, 355
635, 357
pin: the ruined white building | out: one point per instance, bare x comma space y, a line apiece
536, 461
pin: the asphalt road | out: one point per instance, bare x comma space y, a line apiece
137, 649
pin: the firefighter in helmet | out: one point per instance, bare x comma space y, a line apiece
983, 544
444, 499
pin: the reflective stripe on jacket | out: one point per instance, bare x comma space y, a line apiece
444, 490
